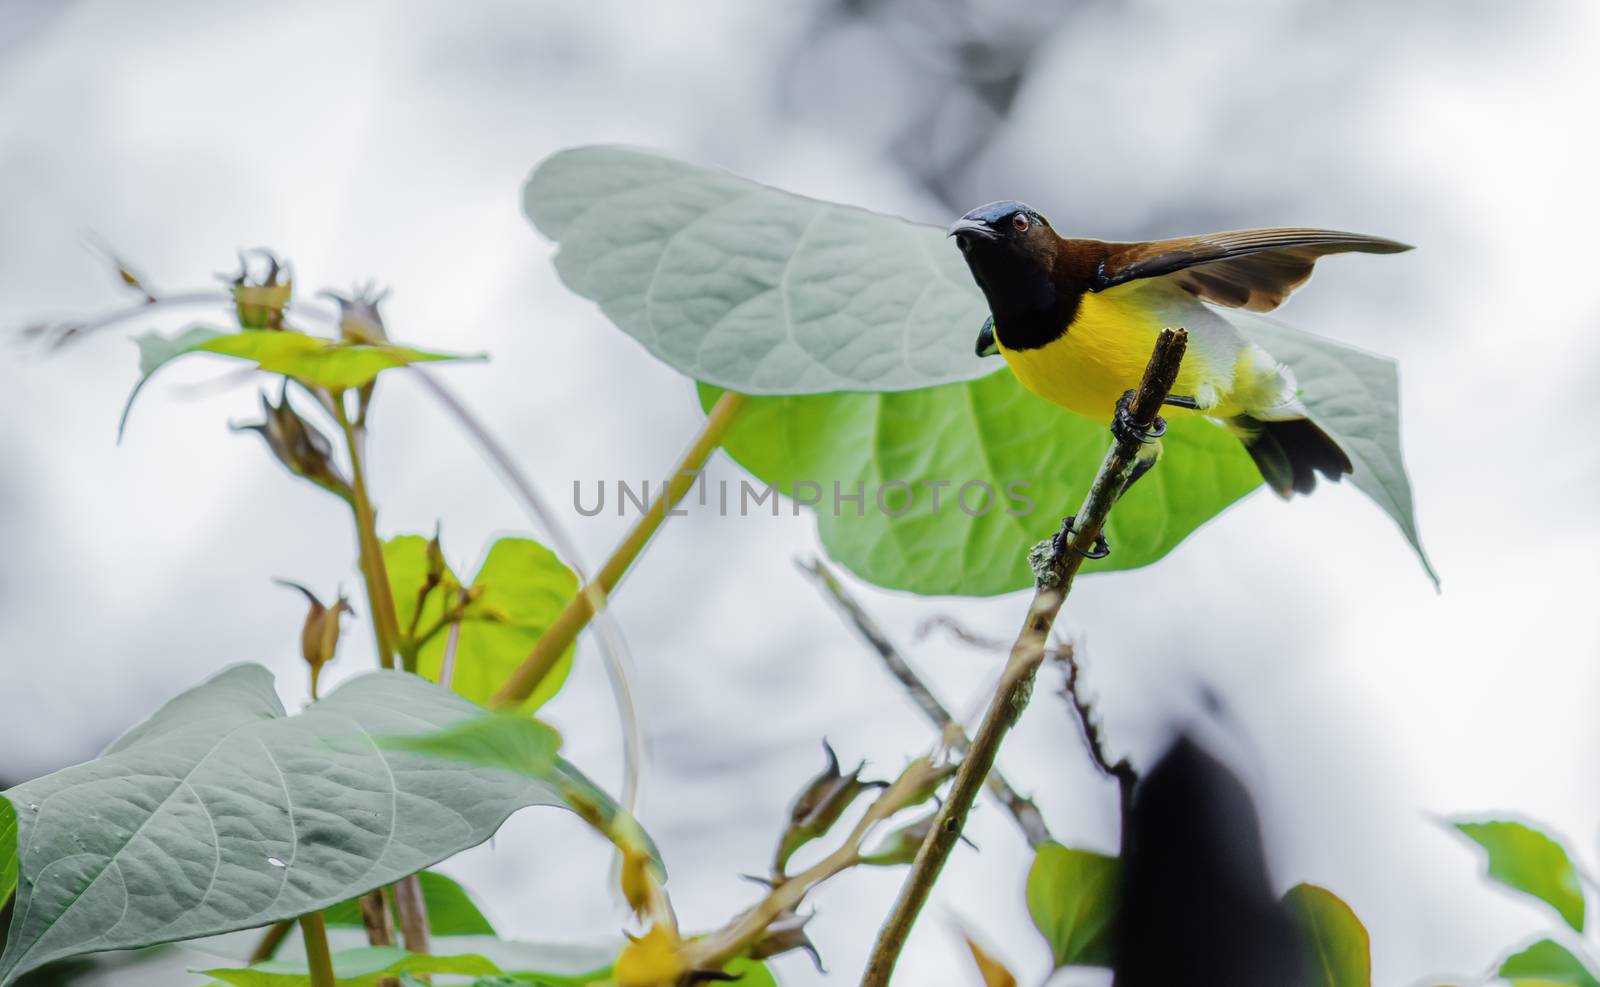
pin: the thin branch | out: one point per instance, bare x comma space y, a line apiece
376, 917
1055, 575
1121, 770
560, 634
385, 625
315, 933
1022, 809
714, 950
271, 939
613, 649
413, 911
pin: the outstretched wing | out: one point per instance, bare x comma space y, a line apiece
1250, 269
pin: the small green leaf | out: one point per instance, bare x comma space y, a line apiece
315, 360
1026, 460
751, 973
221, 812
510, 741
362, 967
8, 849
753, 288
1524, 858
451, 910
1072, 896
522, 588
1338, 951
1546, 964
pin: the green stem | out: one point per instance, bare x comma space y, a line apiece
317, 955
553, 643
380, 598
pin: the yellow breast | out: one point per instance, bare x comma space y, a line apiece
1103, 353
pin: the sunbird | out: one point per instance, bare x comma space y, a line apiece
1077, 319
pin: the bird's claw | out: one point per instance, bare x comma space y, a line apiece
1062, 541
1125, 429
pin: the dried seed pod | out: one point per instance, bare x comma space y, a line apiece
298, 444
319, 637
261, 302
359, 318
819, 805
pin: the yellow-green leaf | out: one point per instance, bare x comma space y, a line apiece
521, 588
316, 360
362, 967
1547, 964
1072, 896
1526, 859
1338, 953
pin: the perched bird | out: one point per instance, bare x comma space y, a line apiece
1077, 319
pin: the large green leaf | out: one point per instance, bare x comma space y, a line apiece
752, 288
988, 433
1355, 397
522, 588
1524, 858
1547, 964
451, 910
362, 967
8, 850
1338, 951
220, 813
331, 363
1072, 896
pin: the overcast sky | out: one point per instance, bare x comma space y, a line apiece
389, 140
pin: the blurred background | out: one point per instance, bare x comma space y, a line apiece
389, 140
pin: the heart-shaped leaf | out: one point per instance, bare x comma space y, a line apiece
1072, 896
451, 910
332, 363
1547, 964
958, 482
752, 288
520, 590
1526, 859
362, 967
1337, 948
220, 813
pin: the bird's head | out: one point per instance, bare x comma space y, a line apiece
1011, 250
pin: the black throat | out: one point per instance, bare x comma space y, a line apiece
1032, 306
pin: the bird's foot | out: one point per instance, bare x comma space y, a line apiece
1125, 429
1062, 542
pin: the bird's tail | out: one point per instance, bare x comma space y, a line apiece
1291, 453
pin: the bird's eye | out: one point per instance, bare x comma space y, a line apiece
1020, 222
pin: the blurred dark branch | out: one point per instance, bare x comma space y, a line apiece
1055, 571
1022, 809
1093, 738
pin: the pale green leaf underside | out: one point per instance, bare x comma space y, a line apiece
1072, 897
331, 363
1338, 951
1355, 397
1529, 861
752, 288
991, 433
1546, 964
362, 967
524, 588
221, 813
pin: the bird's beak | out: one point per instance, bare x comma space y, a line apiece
976, 227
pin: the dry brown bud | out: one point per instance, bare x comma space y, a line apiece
298, 444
